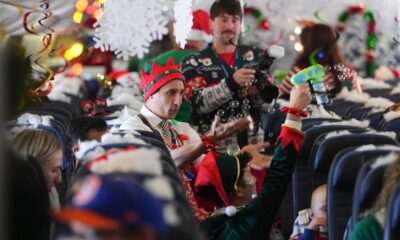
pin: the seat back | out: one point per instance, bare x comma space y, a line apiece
331, 107
300, 175
360, 113
325, 150
394, 97
344, 108
368, 185
73, 108
392, 126
378, 92
375, 119
288, 209
392, 223
341, 182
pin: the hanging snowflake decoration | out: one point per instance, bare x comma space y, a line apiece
127, 27
183, 21
243, 27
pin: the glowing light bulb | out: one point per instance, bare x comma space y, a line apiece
77, 17
81, 5
98, 13
76, 49
298, 47
297, 30
76, 68
90, 9
68, 55
96, 4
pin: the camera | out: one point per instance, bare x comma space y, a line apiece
267, 90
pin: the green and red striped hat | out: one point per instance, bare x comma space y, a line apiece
157, 76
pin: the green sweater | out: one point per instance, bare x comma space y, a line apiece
255, 220
367, 228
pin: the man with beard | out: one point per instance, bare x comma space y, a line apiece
219, 78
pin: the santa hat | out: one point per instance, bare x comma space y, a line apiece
155, 76
117, 74
201, 29
218, 175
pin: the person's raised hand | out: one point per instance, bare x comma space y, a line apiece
220, 131
317, 222
300, 96
258, 160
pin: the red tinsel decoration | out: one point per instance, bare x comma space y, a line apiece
371, 26
340, 27
248, 10
369, 56
264, 25
263, 22
356, 9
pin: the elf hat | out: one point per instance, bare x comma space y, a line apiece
218, 175
201, 29
108, 202
155, 76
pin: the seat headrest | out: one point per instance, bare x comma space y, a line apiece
328, 148
313, 133
348, 165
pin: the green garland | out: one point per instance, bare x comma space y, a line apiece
371, 34
263, 23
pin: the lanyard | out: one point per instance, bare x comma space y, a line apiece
146, 122
175, 138
227, 69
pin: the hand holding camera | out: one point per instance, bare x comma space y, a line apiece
244, 76
254, 77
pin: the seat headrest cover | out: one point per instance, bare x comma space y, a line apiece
386, 160
391, 115
352, 96
374, 147
110, 138
379, 102
337, 133
351, 122
141, 160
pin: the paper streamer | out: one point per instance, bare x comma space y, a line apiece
46, 41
